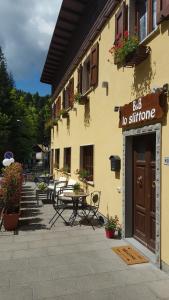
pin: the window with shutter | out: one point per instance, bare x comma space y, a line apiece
63, 99
120, 23
57, 158
58, 106
94, 63
162, 10
71, 92
145, 17
86, 75
67, 160
86, 161
79, 79
66, 97
53, 110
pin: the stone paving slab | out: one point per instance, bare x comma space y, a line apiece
69, 263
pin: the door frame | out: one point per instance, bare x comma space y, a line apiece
127, 195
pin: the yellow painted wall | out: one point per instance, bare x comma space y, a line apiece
101, 127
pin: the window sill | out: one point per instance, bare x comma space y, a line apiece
91, 183
88, 92
150, 36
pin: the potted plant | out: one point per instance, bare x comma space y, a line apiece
83, 174
11, 194
124, 50
64, 113
78, 98
76, 188
111, 226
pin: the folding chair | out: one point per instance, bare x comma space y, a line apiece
91, 210
55, 187
60, 204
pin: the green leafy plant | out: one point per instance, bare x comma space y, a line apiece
125, 47
65, 169
63, 113
112, 223
42, 186
76, 187
77, 97
11, 186
83, 174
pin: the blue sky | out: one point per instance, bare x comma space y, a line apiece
27, 30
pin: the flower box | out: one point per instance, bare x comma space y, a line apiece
137, 56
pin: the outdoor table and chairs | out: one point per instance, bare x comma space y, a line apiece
67, 199
78, 202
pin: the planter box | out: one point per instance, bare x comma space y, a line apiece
135, 58
65, 115
83, 100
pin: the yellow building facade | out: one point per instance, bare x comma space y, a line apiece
119, 135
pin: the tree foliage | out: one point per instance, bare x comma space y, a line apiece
22, 117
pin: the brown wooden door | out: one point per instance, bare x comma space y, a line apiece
144, 190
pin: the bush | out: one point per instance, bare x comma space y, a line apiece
11, 186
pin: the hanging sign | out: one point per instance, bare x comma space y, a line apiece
142, 111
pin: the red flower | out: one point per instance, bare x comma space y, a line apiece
126, 34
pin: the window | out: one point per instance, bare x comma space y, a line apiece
141, 9
67, 160
57, 107
86, 75
68, 95
65, 103
57, 158
51, 160
86, 161
144, 15
88, 72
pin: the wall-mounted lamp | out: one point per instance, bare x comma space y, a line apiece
116, 108
105, 85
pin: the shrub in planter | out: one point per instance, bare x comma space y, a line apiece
78, 98
125, 48
83, 174
111, 226
11, 195
64, 113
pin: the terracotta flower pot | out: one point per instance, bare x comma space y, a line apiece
110, 233
10, 221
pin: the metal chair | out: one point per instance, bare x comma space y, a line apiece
91, 210
55, 188
61, 203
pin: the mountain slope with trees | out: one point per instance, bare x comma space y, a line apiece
22, 117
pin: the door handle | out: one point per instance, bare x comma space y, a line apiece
153, 184
140, 181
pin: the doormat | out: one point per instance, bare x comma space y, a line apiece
130, 255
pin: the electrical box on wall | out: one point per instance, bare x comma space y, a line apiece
115, 163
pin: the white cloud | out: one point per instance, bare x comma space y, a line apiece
26, 31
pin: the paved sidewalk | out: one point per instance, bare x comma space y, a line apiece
67, 263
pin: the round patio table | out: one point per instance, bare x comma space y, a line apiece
77, 199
